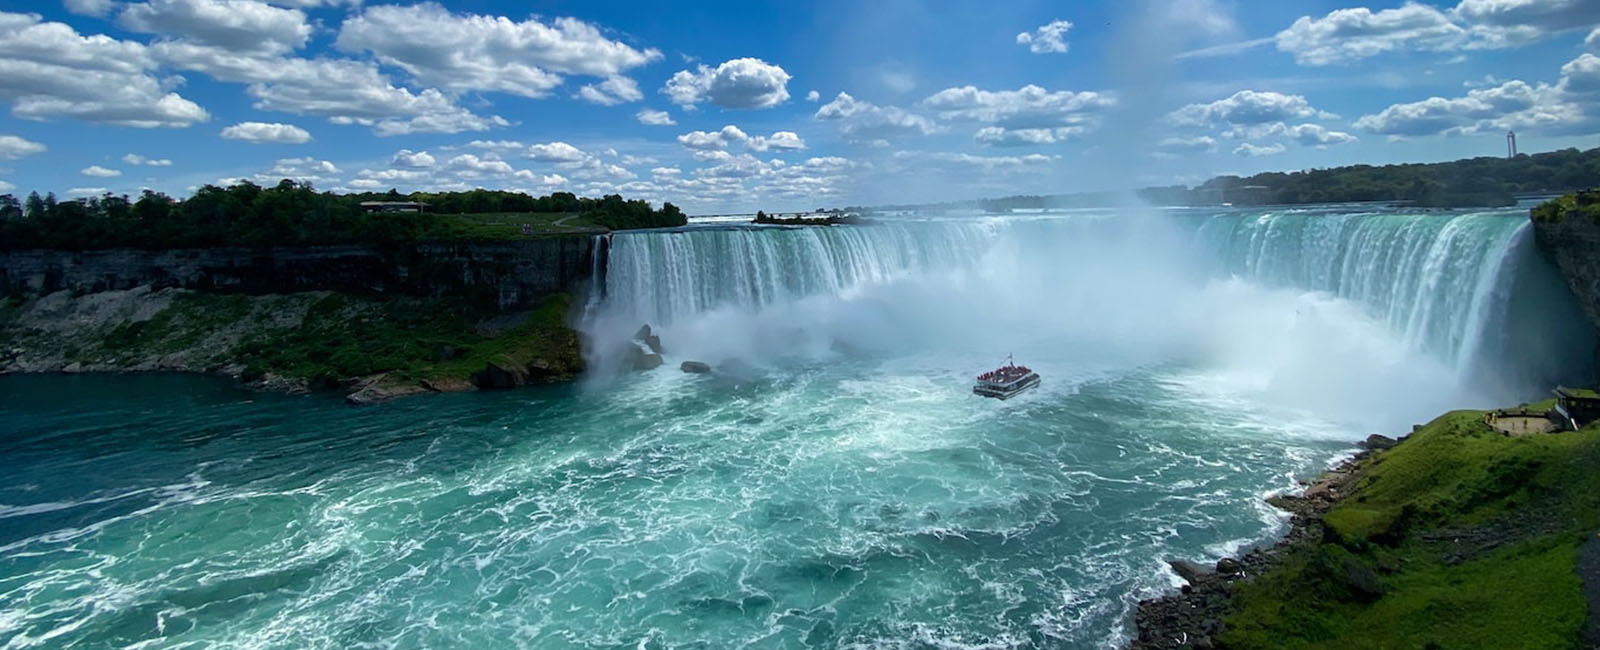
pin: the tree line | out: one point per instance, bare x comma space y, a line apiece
289, 213
1470, 182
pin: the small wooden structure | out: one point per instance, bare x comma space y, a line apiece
1575, 407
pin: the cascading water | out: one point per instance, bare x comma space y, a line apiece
1441, 283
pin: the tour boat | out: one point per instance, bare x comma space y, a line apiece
1007, 381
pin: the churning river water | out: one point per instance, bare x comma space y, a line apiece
836, 487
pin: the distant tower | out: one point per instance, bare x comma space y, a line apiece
1511, 144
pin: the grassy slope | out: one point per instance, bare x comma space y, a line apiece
1537, 497
343, 337
496, 226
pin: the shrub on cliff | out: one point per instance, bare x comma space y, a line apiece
1586, 203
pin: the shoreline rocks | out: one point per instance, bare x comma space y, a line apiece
1193, 616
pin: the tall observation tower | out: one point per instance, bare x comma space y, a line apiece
1511, 144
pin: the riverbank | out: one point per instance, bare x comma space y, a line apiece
372, 348
1452, 537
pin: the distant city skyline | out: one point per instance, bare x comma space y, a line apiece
737, 106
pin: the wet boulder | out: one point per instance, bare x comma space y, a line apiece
695, 367
1191, 572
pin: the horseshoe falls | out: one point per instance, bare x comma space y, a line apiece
833, 485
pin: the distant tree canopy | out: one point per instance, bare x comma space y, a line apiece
290, 213
1469, 182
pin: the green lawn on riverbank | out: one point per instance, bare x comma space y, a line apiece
1471, 534
492, 226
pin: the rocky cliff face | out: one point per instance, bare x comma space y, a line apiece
1574, 244
517, 273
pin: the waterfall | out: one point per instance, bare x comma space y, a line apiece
661, 277
1446, 284
1437, 280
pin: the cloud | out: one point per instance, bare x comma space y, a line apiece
341, 90
89, 7
409, 159
1247, 107
1047, 39
6, 187
1311, 135
136, 159
1356, 33
951, 161
815, 96
863, 121
556, 152
998, 136
1028, 107
467, 52
1593, 41
739, 83
239, 26
301, 170
654, 117
99, 172
1252, 151
472, 166
13, 147
495, 144
1511, 23
86, 191
1569, 107
263, 132
1199, 144
730, 135
47, 71
612, 91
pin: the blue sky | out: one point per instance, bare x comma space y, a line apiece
710, 105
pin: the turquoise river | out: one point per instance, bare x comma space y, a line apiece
835, 485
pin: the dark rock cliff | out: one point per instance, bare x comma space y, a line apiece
517, 273
1573, 243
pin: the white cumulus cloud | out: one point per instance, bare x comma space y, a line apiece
465, 52
865, 121
1248, 107
556, 152
136, 159
739, 83
13, 147
239, 26
262, 132
1253, 151
409, 159
47, 70
654, 117
1050, 38
100, 172
612, 91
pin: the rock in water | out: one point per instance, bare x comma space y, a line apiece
1228, 566
654, 342
643, 333
647, 361
695, 367
1191, 572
